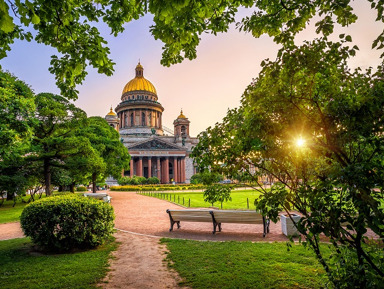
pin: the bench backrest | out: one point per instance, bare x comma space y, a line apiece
191, 215
243, 217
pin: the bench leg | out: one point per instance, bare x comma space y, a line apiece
178, 224
172, 223
219, 227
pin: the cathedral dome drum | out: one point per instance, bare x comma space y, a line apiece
139, 111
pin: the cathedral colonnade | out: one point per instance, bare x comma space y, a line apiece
165, 168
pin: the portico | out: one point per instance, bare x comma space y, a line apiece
165, 168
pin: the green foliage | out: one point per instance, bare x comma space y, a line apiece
244, 265
67, 222
135, 180
217, 193
81, 189
153, 181
206, 177
70, 27
159, 187
336, 178
16, 110
19, 264
109, 156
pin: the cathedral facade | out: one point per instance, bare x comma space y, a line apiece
155, 151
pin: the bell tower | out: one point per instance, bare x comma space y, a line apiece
112, 119
181, 127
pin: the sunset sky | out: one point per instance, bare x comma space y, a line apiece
204, 88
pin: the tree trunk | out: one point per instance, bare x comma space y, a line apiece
72, 187
61, 188
93, 183
10, 196
47, 177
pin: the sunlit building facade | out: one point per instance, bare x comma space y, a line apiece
155, 150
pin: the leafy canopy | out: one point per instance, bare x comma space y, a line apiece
70, 27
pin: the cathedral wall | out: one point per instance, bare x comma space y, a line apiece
188, 170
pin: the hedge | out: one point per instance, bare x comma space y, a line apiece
163, 187
68, 222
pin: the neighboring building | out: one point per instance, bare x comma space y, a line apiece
139, 122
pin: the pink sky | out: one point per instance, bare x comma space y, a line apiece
204, 88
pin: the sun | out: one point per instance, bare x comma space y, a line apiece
300, 142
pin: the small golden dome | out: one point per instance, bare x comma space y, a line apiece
111, 112
181, 115
139, 82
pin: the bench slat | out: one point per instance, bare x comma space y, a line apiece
191, 215
241, 217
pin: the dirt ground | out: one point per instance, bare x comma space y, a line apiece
139, 263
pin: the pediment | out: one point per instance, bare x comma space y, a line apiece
155, 144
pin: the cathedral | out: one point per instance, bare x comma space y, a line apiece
155, 150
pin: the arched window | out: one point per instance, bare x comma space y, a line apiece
143, 120
183, 131
132, 120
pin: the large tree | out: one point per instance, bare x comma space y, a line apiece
318, 128
16, 109
70, 27
112, 156
54, 139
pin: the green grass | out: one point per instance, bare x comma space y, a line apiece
19, 268
239, 199
244, 265
9, 213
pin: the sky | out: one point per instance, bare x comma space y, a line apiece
205, 88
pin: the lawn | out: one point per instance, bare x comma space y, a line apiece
9, 213
196, 199
21, 268
244, 265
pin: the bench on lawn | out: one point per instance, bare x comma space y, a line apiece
217, 217
100, 196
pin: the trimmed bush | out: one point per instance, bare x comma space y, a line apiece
68, 222
81, 189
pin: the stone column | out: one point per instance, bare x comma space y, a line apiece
158, 168
131, 167
175, 170
140, 167
149, 167
166, 170
183, 170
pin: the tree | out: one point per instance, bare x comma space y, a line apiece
317, 127
111, 155
69, 27
54, 141
16, 109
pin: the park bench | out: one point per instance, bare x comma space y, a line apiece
217, 217
100, 196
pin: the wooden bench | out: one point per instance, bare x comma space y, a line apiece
217, 217
100, 196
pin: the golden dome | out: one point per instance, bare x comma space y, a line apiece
111, 112
139, 82
181, 115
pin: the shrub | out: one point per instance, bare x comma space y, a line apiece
153, 181
81, 189
68, 222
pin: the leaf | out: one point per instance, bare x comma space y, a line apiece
348, 38
35, 19
6, 21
